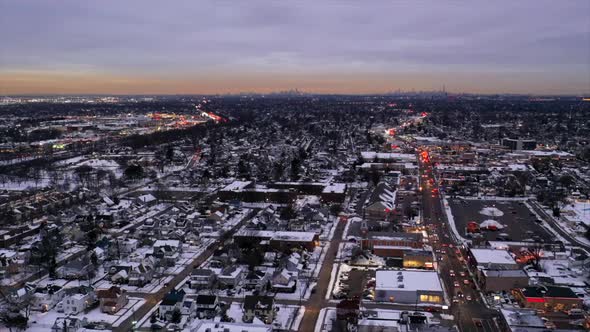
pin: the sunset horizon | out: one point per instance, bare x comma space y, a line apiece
529, 47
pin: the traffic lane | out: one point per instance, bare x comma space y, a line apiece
318, 301
448, 260
469, 309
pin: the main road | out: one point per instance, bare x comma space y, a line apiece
471, 313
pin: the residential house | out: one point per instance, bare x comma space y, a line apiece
189, 307
8, 262
231, 276
256, 279
217, 216
284, 281
258, 306
112, 299
120, 273
202, 279
69, 324
207, 303
80, 268
381, 203
77, 300
173, 300
168, 251
45, 298
100, 255
294, 262
127, 246
141, 274
147, 199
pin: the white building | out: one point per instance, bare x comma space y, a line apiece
492, 259
408, 287
76, 303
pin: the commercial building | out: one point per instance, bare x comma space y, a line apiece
391, 244
411, 287
281, 240
502, 280
492, 259
519, 144
548, 298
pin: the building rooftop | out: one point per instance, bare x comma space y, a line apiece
408, 280
492, 256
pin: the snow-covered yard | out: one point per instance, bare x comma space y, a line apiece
44, 321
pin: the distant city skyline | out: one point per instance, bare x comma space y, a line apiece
217, 47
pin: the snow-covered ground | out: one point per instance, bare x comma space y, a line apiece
325, 320
43, 321
451, 219
578, 211
491, 211
287, 316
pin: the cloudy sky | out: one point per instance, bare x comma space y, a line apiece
125, 46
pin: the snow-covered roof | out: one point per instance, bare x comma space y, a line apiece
171, 243
236, 185
335, 188
278, 235
210, 326
493, 256
370, 155
408, 280
539, 153
147, 198
294, 236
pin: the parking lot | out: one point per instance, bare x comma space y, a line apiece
517, 222
352, 283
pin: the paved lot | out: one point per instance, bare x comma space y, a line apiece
519, 222
356, 281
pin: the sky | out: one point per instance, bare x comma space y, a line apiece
209, 47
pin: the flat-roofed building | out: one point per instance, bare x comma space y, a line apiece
411, 287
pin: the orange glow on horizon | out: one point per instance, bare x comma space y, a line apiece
54, 82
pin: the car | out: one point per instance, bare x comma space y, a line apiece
465, 281
550, 325
462, 273
468, 297
452, 273
340, 295
456, 284
433, 309
455, 299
